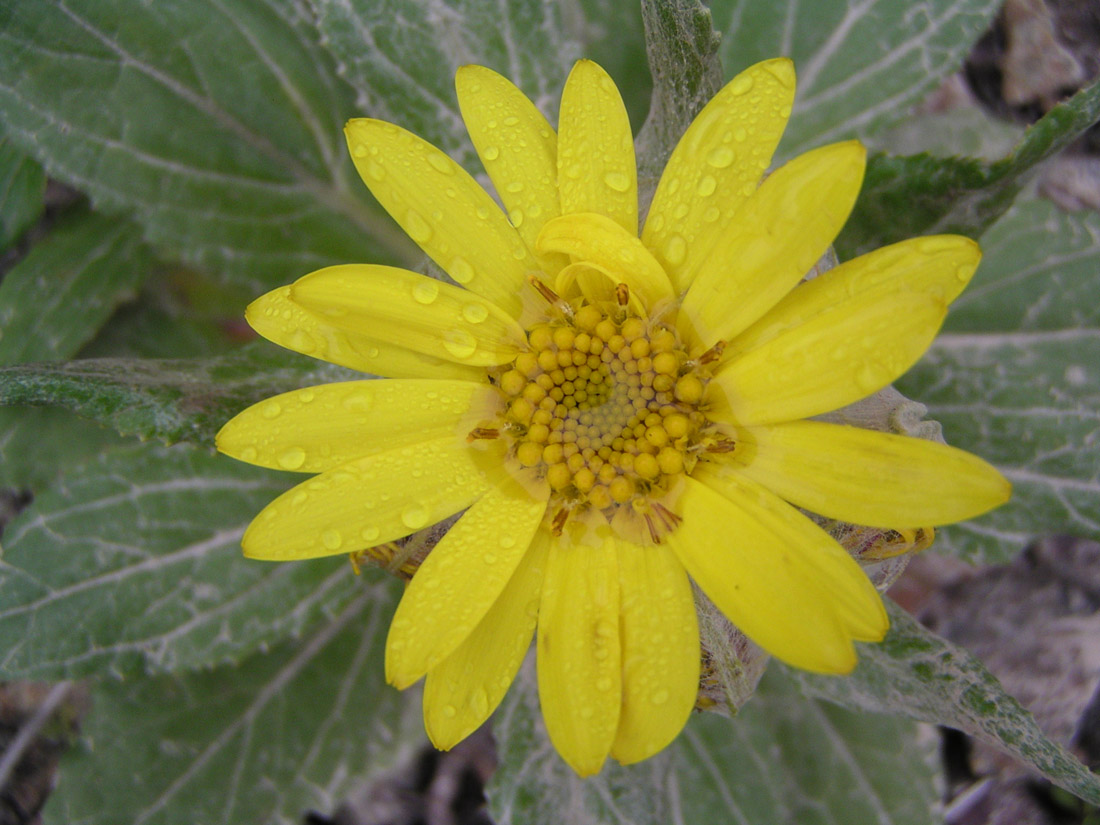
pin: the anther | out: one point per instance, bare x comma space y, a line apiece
482, 433
558, 524
713, 354
550, 296
723, 445
622, 294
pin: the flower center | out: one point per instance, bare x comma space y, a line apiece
605, 408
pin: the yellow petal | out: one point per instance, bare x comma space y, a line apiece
443, 209
599, 241
367, 501
411, 311
281, 321
465, 688
781, 232
459, 581
579, 663
833, 359
867, 477
938, 265
596, 169
319, 428
778, 577
660, 648
518, 148
716, 166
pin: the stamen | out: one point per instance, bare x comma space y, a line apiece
713, 354
724, 445
563, 307
622, 294
558, 524
482, 433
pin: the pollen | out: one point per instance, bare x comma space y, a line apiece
606, 408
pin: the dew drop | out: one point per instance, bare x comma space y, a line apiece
461, 270
491, 153
870, 377
963, 273
301, 341
489, 558
707, 185
514, 186
711, 214
741, 85
375, 170
369, 533
248, 454
676, 249
449, 711
480, 702
414, 516
426, 291
603, 683
271, 409
360, 151
482, 212
720, 157
516, 217
441, 163
475, 313
617, 181
306, 396
573, 171
785, 112
740, 135
507, 541
359, 402
587, 713
417, 227
660, 697
292, 459
332, 539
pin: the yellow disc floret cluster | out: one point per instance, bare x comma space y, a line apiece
604, 407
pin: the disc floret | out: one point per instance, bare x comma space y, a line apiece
605, 406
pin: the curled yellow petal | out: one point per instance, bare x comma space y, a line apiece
411, 311
596, 169
867, 477
283, 322
579, 661
715, 167
367, 501
319, 428
465, 688
459, 581
660, 648
442, 208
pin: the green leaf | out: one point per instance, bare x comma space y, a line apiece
218, 126
922, 194
862, 64
37, 445
56, 298
133, 562
612, 33
22, 191
917, 674
682, 49
171, 400
401, 58
784, 758
1014, 378
285, 732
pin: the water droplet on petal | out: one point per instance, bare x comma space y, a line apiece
507, 541
675, 249
441, 163
491, 153
414, 516
721, 157
360, 150
660, 697
516, 217
369, 533
871, 376
292, 459
375, 170
475, 313
332, 539
489, 558
741, 84
306, 396
740, 135
514, 186
603, 683
461, 270
707, 185
449, 711
617, 181
359, 402
417, 227
271, 409
248, 454
480, 702
426, 291
301, 341
587, 713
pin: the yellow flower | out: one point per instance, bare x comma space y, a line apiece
614, 413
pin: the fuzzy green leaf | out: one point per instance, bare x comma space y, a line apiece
923, 195
133, 563
917, 674
862, 64
22, 191
217, 125
286, 732
784, 758
171, 400
1014, 378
